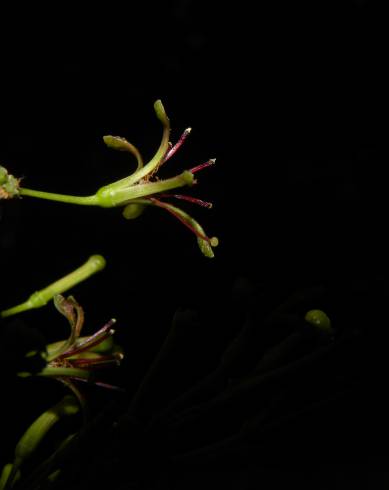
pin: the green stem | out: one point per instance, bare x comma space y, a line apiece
109, 196
40, 298
123, 190
9, 476
52, 196
34, 435
64, 371
113, 195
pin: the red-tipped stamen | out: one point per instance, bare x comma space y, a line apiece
170, 152
180, 218
97, 362
179, 143
91, 341
194, 200
88, 344
209, 163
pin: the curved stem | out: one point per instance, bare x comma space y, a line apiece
157, 158
52, 196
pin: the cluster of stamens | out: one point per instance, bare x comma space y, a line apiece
77, 358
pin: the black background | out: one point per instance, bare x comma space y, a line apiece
288, 98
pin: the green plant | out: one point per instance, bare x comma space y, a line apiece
138, 190
77, 359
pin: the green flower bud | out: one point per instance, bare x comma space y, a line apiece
320, 321
9, 185
133, 210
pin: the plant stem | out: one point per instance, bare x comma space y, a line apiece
111, 196
52, 196
94, 264
64, 371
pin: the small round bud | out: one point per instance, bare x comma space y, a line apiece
319, 320
160, 110
214, 241
97, 262
133, 210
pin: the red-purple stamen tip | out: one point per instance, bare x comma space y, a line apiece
161, 204
179, 143
209, 163
191, 199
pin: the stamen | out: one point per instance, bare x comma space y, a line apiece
91, 341
176, 215
170, 152
191, 199
99, 383
98, 362
209, 163
179, 143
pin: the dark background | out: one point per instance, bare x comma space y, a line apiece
288, 98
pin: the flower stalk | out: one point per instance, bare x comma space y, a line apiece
141, 184
94, 264
33, 437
